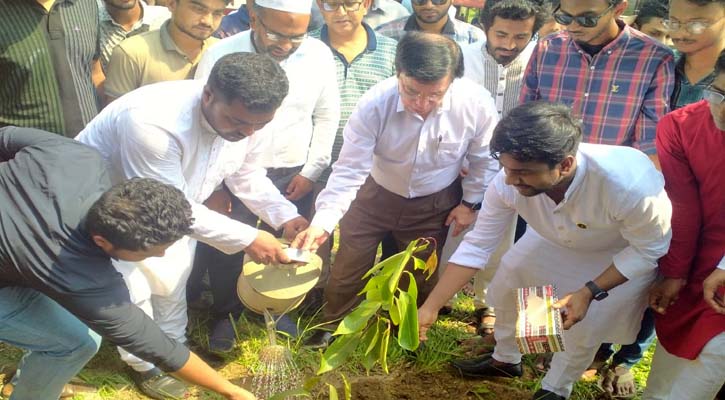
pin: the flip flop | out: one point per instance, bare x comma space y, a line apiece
615, 381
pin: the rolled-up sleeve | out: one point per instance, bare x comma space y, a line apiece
645, 224
494, 218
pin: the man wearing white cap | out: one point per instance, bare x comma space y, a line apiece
300, 135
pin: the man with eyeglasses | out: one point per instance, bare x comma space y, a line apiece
689, 362
697, 29
300, 137
195, 136
398, 171
432, 16
171, 52
617, 80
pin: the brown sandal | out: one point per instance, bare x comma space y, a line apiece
484, 328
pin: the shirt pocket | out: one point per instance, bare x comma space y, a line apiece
447, 153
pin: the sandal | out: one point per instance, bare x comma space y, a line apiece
484, 328
618, 382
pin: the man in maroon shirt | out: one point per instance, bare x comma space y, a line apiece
689, 362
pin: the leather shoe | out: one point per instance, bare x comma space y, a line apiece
471, 362
158, 385
542, 394
484, 366
318, 340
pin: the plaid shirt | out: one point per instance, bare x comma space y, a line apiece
620, 93
459, 31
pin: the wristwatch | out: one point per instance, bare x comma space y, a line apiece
598, 293
472, 206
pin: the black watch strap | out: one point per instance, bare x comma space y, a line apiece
472, 206
598, 293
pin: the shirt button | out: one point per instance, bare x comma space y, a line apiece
586, 94
592, 68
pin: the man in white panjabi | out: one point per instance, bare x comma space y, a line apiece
599, 219
195, 136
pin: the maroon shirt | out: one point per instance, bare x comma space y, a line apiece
691, 150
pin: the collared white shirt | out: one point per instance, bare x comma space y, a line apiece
304, 127
408, 155
382, 11
149, 133
615, 201
504, 82
112, 34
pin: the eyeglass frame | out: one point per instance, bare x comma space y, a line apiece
278, 37
711, 89
578, 18
424, 2
674, 26
342, 4
433, 98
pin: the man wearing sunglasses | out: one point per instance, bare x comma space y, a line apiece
432, 16
617, 80
697, 29
690, 357
300, 136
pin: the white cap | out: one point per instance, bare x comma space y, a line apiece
290, 6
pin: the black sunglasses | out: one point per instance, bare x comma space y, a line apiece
435, 2
586, 21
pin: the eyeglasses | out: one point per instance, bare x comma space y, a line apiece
713, 96
406, 92
347, 5
277, 37
586, 21
424, 2
694, 27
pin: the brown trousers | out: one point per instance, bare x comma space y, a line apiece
373, 214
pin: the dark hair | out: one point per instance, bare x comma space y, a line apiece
517, 10
140, 213
649, 9
256, 80
720, 64
537, 132
428, 57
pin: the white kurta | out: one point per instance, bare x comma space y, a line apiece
304, 127
615, 211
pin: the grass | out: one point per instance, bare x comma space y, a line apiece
109, 374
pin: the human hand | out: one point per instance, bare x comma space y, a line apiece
575, 306
710, 287
293, 227
266, 249
665, 292
237, 393
298, 187
310, 239
463, 216
426, 319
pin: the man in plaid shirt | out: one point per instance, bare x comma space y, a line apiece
616, 79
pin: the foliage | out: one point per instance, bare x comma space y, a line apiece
386, 306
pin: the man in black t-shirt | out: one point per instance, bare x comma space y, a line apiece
61, 222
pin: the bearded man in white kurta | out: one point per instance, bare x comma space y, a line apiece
599, 219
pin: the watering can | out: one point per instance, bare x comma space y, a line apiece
277, 288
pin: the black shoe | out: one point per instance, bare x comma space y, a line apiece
318, 340
542, 394
222, 337
483, 366
471, 362
157, 385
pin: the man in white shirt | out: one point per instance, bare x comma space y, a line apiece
403, 149
300, 136
498, 64
599, 219
195, 139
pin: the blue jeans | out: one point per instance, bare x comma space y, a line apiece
57, 344
630, 354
